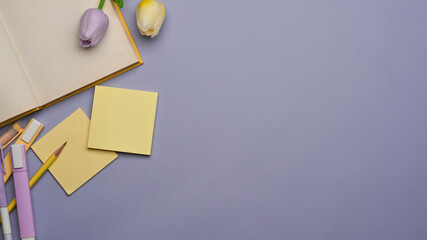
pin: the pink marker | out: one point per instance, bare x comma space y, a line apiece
22, 193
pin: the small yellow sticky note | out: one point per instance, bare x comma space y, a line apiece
122, 120
76, 164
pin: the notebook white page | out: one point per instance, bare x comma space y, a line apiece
45, 35
16, 95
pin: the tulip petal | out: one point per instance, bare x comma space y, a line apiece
93, 26
149, 12
85, 43
159, 21
150, 15
101, 30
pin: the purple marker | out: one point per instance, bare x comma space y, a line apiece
4, 213
22, 193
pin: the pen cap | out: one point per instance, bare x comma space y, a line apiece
19, 161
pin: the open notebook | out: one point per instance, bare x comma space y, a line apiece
41, 61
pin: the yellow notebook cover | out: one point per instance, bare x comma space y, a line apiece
41, 60
122, 120
77, 164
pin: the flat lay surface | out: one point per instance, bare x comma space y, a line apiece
275, 120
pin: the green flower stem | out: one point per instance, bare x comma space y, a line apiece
101, 4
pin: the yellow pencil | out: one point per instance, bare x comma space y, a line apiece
39, 173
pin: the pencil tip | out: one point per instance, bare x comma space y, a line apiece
59, 150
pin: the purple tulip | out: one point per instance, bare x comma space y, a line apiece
93, 26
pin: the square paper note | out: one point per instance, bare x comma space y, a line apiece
122, 120
76, 164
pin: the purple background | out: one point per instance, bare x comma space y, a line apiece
276, 120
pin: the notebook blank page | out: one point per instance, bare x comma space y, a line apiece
16, 94
45, 33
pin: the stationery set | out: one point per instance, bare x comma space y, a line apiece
22, 184
122, 120
41, 63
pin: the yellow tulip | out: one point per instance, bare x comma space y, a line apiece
150, 15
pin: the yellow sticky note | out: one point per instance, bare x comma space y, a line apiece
76, 164
122, 120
